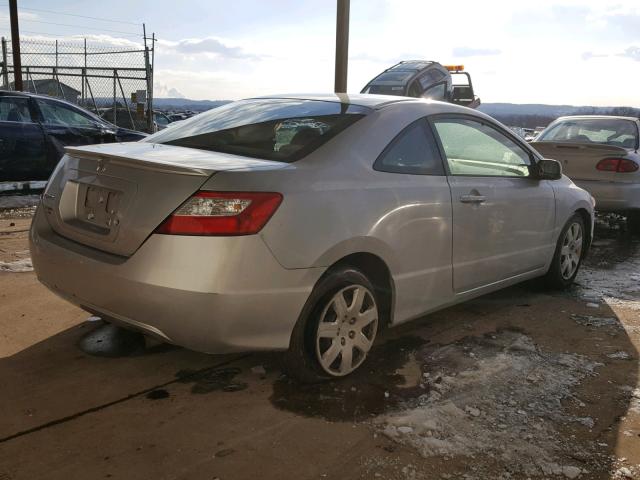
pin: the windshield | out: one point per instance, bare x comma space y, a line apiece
397, 90
610, 131
274, 129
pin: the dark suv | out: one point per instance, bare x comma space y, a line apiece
34, 129
426, 79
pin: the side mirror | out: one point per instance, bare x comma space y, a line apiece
547, 169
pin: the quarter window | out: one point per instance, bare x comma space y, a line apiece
413, 151
476, 149
14, 109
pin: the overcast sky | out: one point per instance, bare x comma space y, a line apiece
569, 52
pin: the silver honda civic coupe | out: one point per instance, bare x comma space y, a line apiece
305, 224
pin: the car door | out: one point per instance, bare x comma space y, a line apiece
65, 125
22, 145
503, 218
418, 224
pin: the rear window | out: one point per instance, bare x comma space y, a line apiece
609, 131
389, 83
397, 90
274, 129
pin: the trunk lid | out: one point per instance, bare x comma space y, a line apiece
579, 160
113, 196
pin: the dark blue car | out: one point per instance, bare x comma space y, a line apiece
34, 129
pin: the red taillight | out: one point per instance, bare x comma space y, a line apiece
627, 166
621, 165
222, 213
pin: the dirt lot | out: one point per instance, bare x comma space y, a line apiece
519, 384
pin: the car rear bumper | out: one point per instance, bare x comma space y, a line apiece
211, 294
612, 196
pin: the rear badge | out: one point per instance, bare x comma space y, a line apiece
102, 167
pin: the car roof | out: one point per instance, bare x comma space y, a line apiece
414, 65
15, 93
359, 99
593, 117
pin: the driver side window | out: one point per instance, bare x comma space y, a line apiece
437, 92
476, 149
54, 113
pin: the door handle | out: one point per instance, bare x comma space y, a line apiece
472, 198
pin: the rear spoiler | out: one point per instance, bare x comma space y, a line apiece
155, 165
602, 148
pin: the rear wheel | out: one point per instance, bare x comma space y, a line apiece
337, 327
568, 255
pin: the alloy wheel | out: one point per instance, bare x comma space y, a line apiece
346, 331
571, 250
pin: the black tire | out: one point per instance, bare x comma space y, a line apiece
554, 277
633, 222
301, 360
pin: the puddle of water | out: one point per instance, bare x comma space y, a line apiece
158, 394
212, 380
378, 386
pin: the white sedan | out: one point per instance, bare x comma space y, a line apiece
600, 154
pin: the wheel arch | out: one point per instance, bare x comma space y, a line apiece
588, 223
378, 272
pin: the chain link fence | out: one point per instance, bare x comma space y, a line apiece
114, 82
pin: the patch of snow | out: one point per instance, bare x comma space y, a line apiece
615, 286
17, 266
506, 403
624, 472
597, 322
619, 355
571, 472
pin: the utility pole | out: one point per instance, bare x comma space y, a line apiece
342, 46
15, 45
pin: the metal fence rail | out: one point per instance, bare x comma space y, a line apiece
115, 82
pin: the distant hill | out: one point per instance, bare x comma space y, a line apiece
513, 114
168, 103
186, 104
539, 115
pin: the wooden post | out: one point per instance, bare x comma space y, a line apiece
15, 45
342, 46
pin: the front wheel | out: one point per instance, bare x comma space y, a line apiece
568, 255
336, 329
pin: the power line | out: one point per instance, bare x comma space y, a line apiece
76, 15
80, 26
